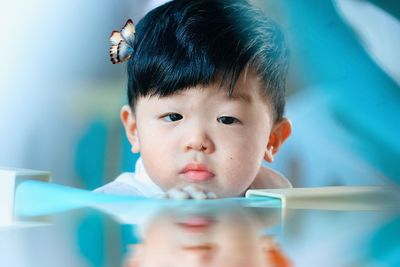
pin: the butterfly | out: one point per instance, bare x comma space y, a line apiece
122, 43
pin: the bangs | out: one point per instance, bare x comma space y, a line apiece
185, 51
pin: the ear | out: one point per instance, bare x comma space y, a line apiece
129, 121
280, 132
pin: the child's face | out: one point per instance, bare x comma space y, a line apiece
228, 237
201, 136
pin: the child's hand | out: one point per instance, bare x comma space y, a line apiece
189, 192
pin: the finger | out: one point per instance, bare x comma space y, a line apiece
195, 192
177, 193
211, 195
198, 195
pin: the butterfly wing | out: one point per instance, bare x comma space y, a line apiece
115, 39
122, 43
124, 51
128, 32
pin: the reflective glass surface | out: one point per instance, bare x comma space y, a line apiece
227, 232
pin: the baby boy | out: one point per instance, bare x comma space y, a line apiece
206, 97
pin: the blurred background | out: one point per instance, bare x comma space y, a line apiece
60, 96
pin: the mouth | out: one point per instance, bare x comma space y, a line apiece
196, 234
200, 248
196, 224
197, 173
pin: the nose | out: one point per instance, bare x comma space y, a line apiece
199, 140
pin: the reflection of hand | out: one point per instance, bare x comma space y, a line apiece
189, 192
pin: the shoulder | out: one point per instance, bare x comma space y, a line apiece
269, 178
134, 184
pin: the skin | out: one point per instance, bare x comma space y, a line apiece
232, 239
227, 136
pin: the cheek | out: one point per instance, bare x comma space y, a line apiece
246, 147
158, 167
241, 168
153, 141
155, 150
240, 162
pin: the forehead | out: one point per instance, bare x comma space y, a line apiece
249, 88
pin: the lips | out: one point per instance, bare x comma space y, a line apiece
197, 173
196, 224
196, 234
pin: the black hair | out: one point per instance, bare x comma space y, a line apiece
185, 43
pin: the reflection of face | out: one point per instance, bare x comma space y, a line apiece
202, 239
202, 136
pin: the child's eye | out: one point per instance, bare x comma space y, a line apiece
172, 117
227, 120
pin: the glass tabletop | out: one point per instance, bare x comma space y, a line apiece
227, 232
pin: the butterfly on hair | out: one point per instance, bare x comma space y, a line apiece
122, 43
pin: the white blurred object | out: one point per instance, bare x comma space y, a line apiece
9, 180
378, 30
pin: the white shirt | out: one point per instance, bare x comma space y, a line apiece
129, 183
